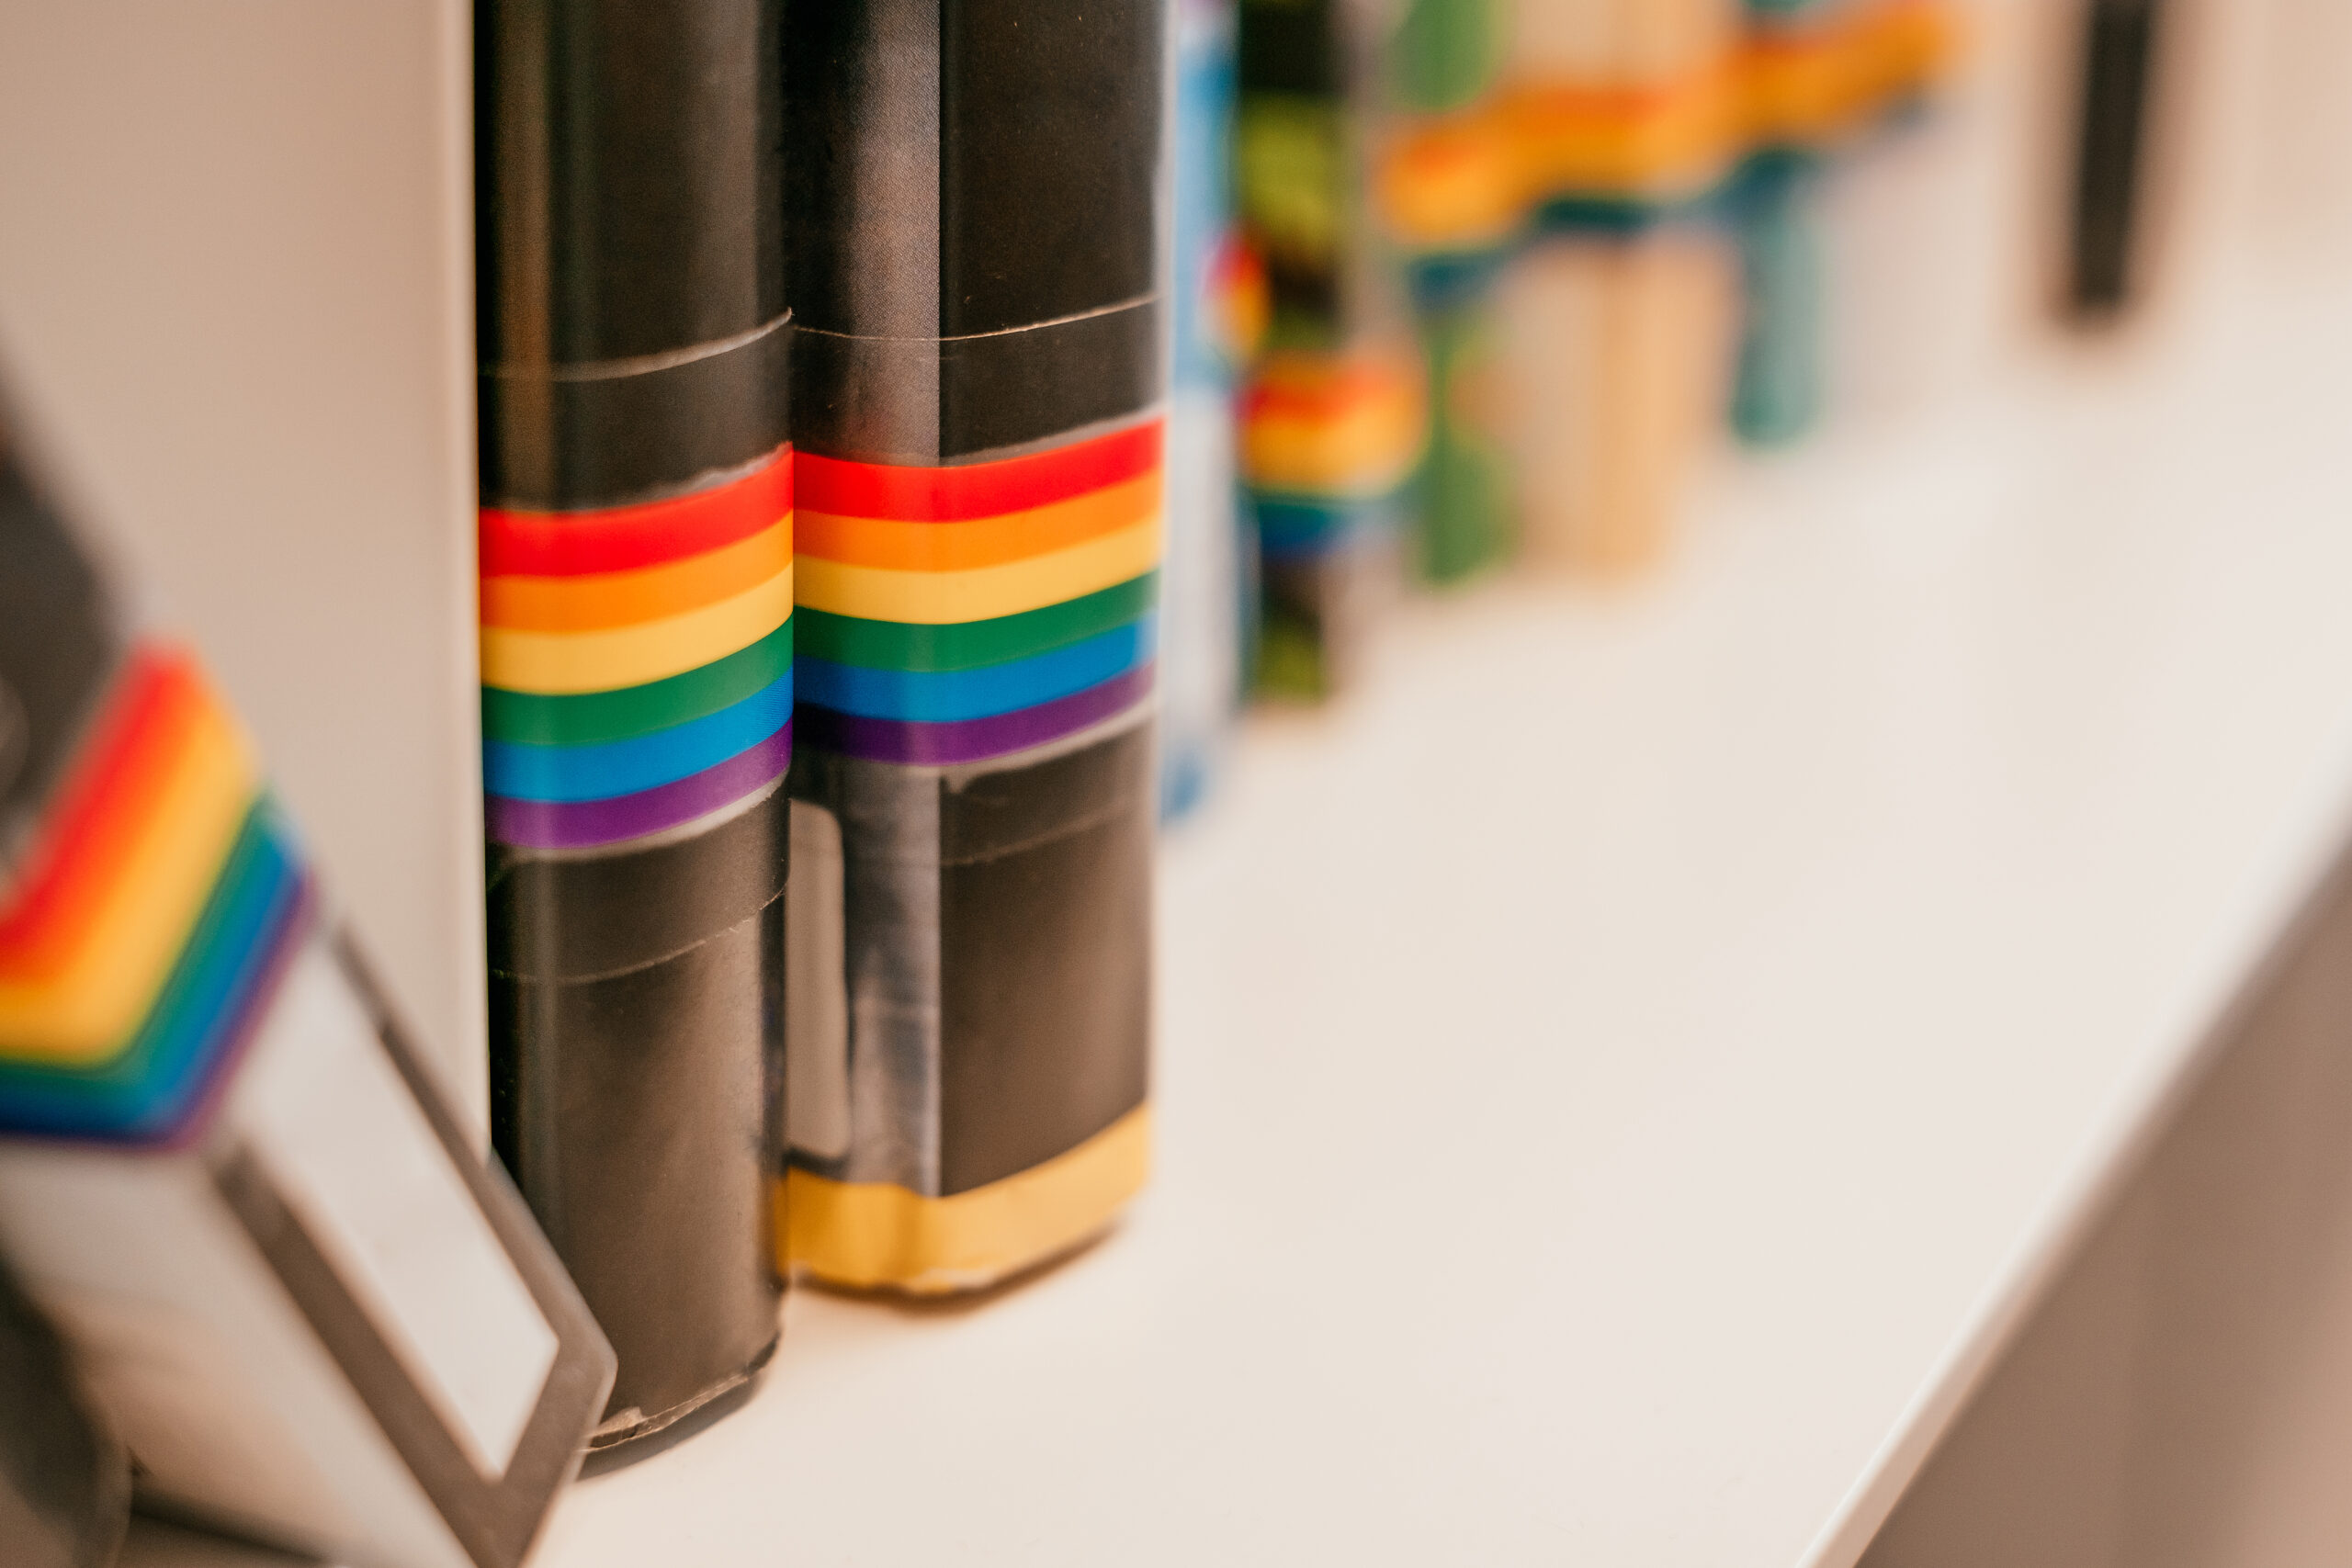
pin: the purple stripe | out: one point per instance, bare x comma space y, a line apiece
971, 740
568, 825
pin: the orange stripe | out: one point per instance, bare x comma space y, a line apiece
1576, 138
1815, 85
986, 541
605, 600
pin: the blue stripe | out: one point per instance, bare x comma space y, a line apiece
949, 696
524, 771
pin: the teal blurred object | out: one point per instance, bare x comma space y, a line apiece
1777, 390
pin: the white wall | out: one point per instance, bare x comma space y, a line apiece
236, 298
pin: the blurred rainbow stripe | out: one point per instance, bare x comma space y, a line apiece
637, 660
951, 615
1610, 153
1328, 444
158, 900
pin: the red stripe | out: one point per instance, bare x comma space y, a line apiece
109, 791
621, 538
977, 489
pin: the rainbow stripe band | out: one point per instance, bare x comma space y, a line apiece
637, 662
1344, 426
1615, 154
954, 614
1328, 445
162, 782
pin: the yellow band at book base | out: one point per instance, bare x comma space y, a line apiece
879, 1236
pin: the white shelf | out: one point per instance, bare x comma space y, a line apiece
1624, 1074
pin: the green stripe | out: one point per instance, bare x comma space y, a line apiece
973, 645
589, 718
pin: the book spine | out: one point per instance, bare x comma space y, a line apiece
636, 593
975, 265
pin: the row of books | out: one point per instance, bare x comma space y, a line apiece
1461, 282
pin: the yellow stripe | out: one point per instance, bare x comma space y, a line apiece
553, 663
90, 1010
878, 1235
941, 598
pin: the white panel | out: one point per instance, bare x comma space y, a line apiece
140, 1262
354, 1158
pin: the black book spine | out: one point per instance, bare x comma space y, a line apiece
2111, 170
637, 659
974, 255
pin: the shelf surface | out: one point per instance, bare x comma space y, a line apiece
1623, 1074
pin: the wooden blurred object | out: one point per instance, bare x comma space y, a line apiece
1615, 353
